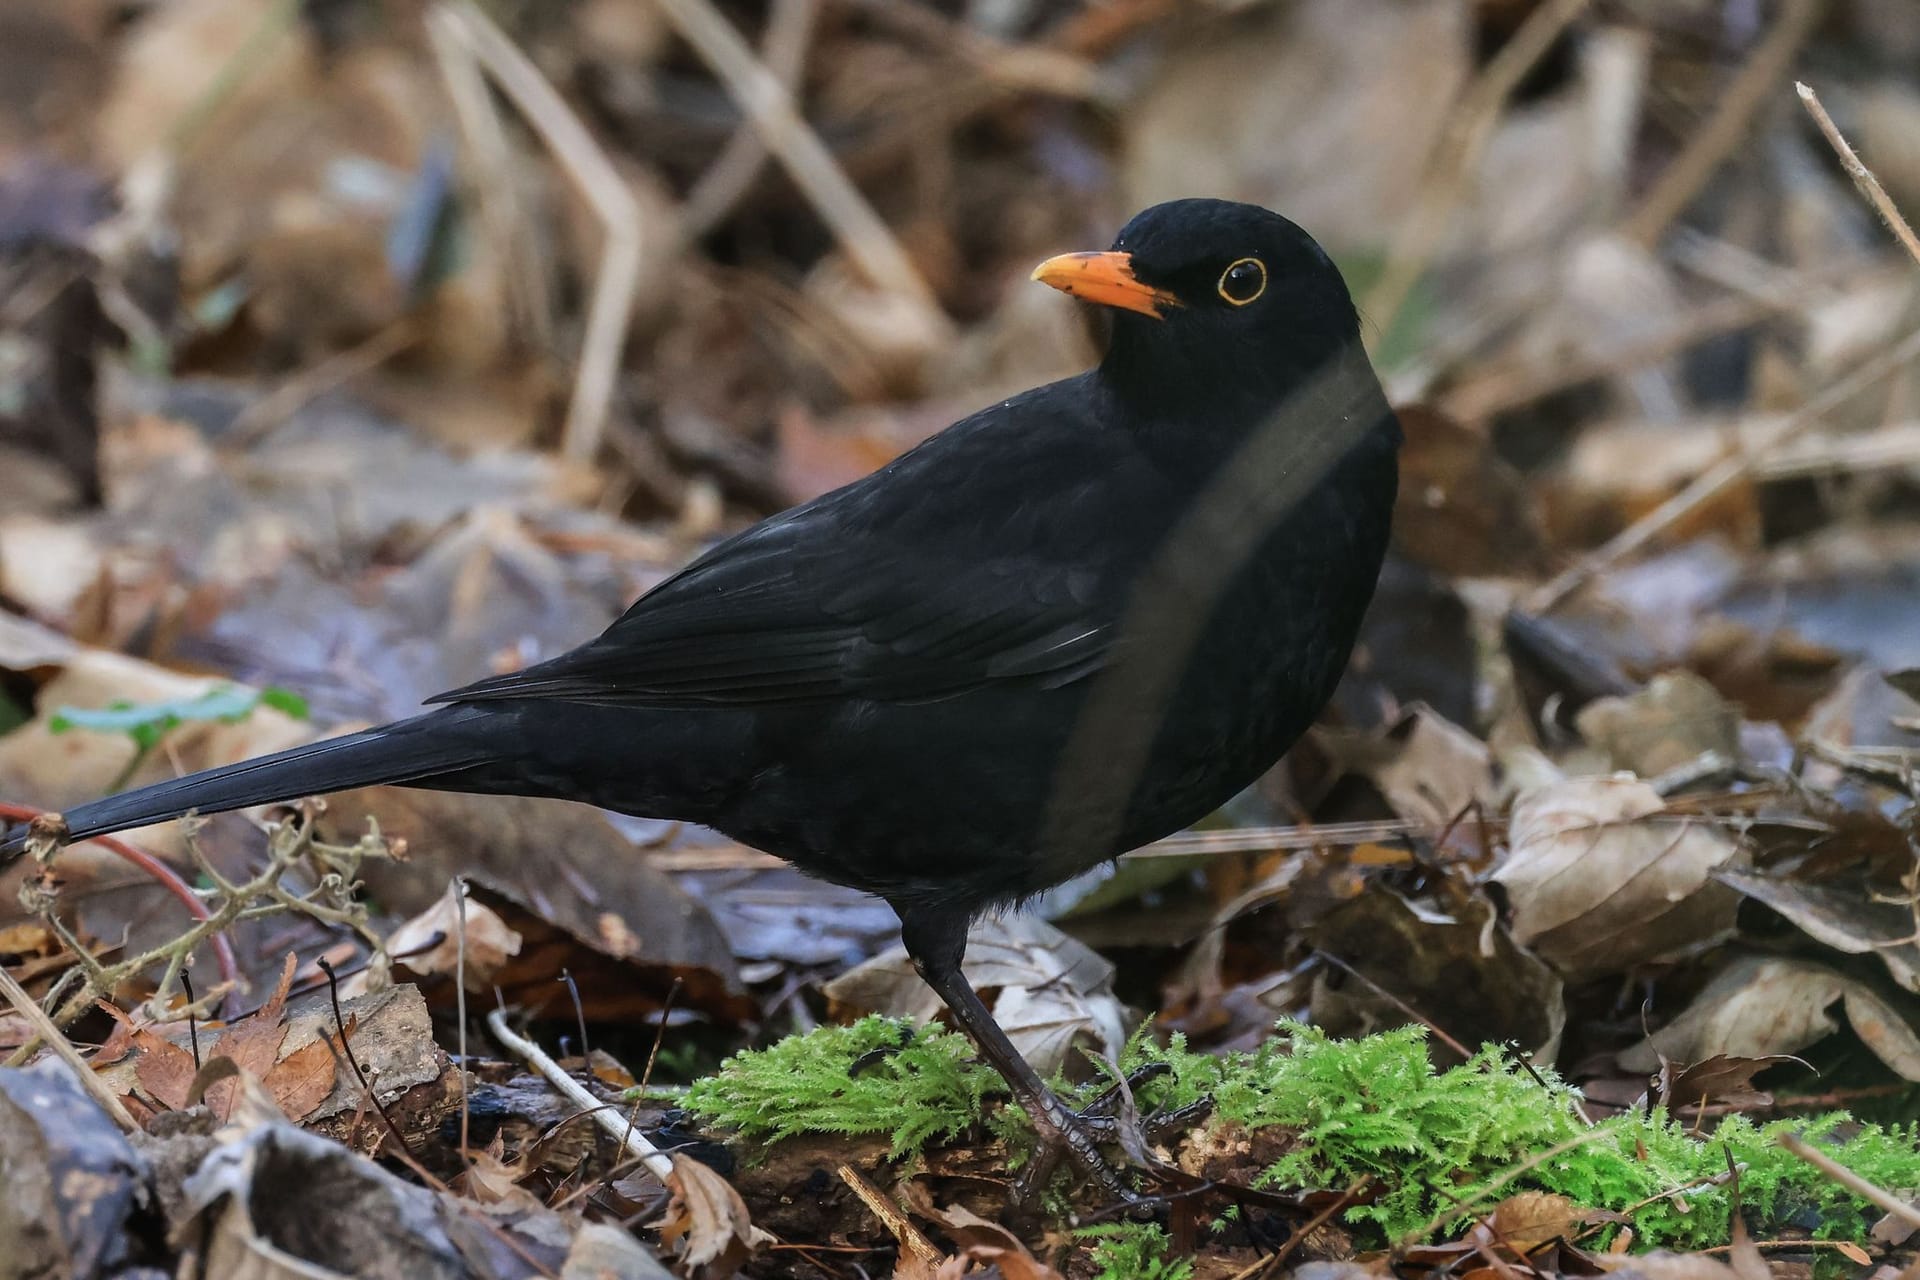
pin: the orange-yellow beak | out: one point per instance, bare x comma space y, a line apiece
1105, 278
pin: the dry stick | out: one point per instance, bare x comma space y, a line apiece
163, 874
275, 22
656, 1161
727, 179
269, 412
460, 1004
611, 307
1469, 127
1850, 1180
1503, 387
1868, 185
903, 1231
1720, 477
807, 160
1709, 148
498, 193
37, 1018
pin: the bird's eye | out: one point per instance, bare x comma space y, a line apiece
1244, 281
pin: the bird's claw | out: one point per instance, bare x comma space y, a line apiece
1075, 1136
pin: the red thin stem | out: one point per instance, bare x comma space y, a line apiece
164, 875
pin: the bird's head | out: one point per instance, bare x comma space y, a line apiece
1212, 301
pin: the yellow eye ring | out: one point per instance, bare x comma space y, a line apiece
1240, 286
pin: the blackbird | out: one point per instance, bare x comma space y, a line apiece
1067, 625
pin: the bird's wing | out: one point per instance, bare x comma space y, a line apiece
783, 614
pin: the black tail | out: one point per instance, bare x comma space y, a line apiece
405, 751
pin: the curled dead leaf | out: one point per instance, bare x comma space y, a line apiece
490, 943
707, 1224
981, 1241
1053, 991
1763, 1005
1599, 881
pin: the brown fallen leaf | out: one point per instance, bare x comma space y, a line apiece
304, 1079
1673, 721
1053, 991
489, 942
1439, 770
1855, 922
1530, 1219
981, 1241
253, 1043
707, 1224
1723, 1080
1598, 883
1761, 1005
164, 1069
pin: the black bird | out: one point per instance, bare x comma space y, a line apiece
1065, 626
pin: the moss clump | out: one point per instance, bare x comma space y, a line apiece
1133, 1251
1374, 1107
920, 1084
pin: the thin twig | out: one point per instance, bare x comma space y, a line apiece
730, 176
1732, 117
493, 181
265, 415
1869, 186
610, 308
1468, 129
1723, 475
904, 1232
656, 1161
1439, 1031
460, 1003
1852, 1181
163, 874
25, 1005
766, 102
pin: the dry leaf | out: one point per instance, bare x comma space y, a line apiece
1598, 884
1761, 1005
304, 1079
981, 1241
707, 1224
1530, 1219
164, 1069
1053, 991
253, 1043
1856, 923
489, 942
1674, 720
1723, 1080
1439, 770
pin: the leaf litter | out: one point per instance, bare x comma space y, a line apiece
289, 332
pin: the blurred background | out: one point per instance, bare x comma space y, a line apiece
356, 349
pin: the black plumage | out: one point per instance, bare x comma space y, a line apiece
1067, 625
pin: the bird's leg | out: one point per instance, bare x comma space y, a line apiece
937, 941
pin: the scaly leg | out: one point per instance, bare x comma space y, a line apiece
937, 942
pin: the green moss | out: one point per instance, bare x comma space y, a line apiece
920, 1084
1429, 1141
1133, 1251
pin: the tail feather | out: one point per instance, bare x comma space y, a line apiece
405, 751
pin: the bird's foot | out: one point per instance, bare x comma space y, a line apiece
1075, 1136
